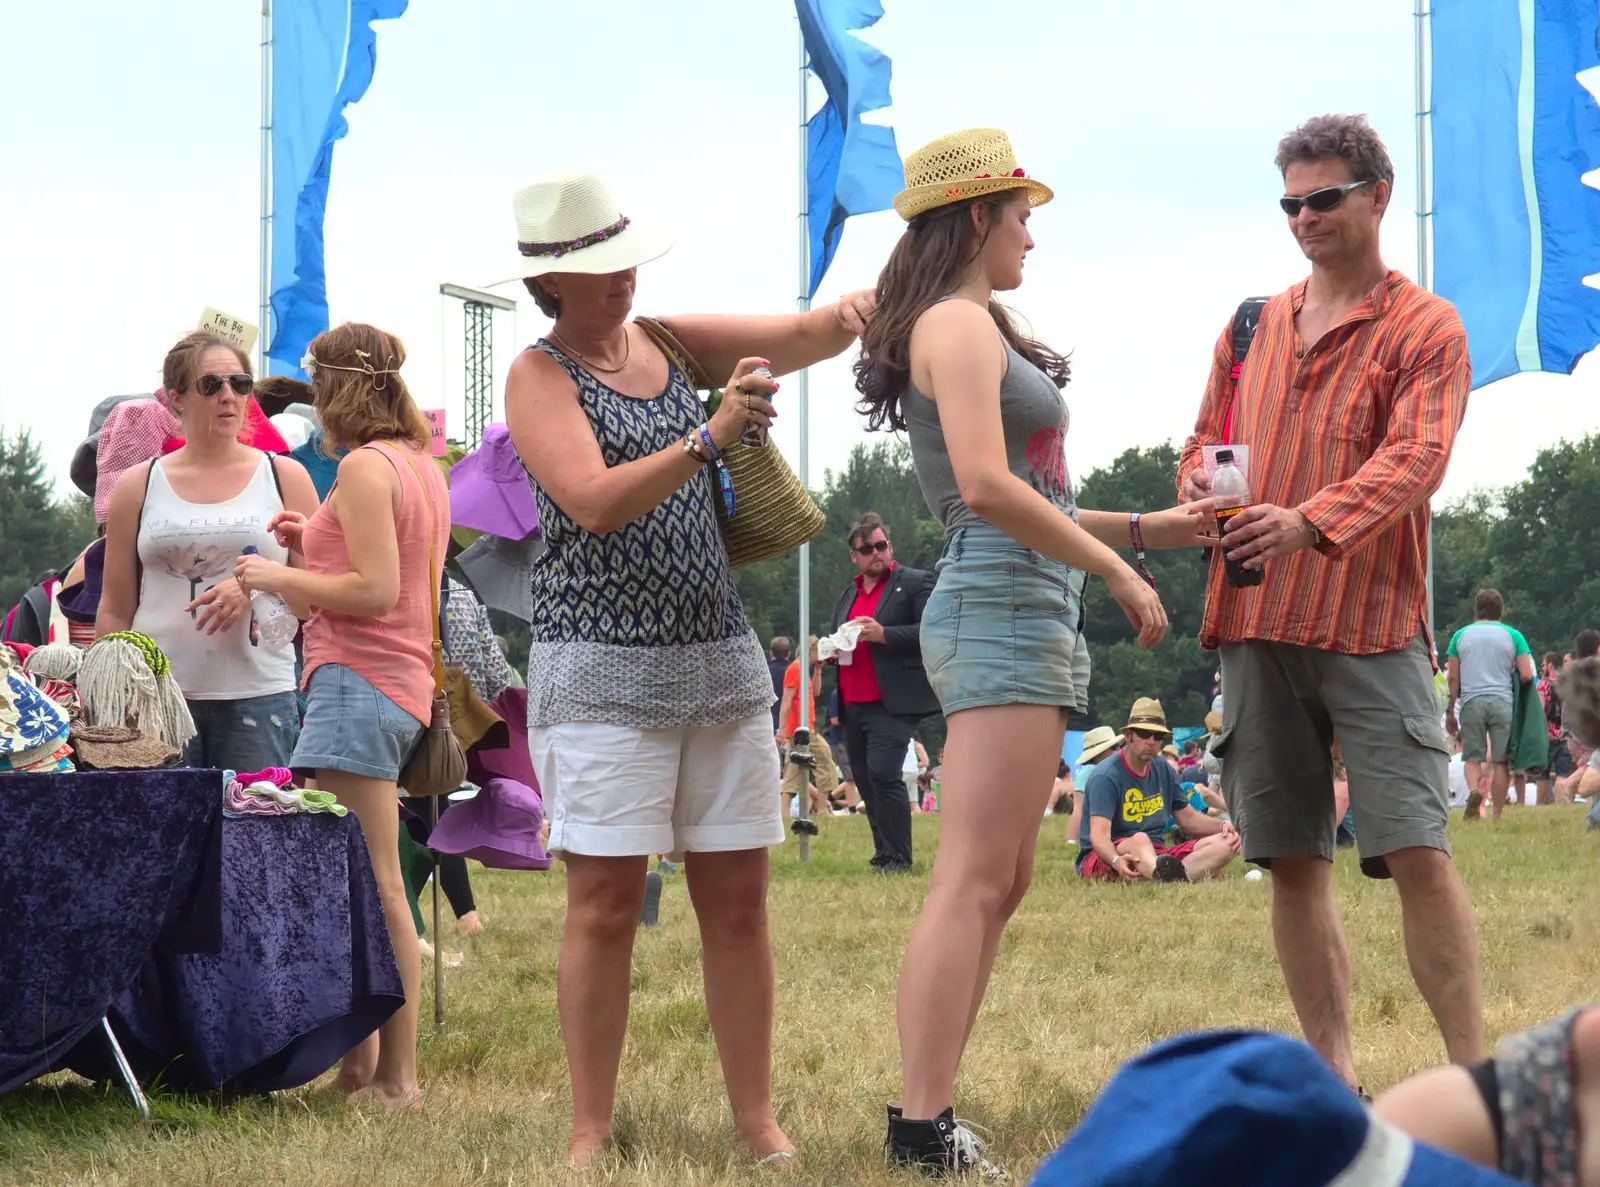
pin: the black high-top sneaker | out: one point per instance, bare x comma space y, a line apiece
938, 1148
1169, 869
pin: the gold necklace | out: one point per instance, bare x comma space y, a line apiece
627, 352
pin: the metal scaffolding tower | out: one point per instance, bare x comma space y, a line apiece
478, 309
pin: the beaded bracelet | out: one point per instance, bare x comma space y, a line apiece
691, 446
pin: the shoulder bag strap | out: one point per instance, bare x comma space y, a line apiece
674, 350
435, 576
1245, 320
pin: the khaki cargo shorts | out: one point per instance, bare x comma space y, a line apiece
1284, 705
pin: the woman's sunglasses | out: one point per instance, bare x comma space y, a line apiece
880, 546
210, 385
1322, 200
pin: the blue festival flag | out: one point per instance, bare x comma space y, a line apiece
323, 56
851, 167
1515, 228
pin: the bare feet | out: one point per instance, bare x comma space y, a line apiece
351, 1083
425, 948
469, 924
384, 1098
582, 1147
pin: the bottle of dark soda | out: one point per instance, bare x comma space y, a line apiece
1232, 493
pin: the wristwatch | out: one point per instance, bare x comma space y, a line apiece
1316, 533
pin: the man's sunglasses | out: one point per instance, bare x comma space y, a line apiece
210, 385
1146, 735
1322, 200
880, 546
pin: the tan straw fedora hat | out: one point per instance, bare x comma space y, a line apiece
964, 165
570, 223
1148, 715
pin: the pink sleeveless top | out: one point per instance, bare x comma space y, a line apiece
393, 652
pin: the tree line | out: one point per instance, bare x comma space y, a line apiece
1537, 541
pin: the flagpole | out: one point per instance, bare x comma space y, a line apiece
264, 315
1420, 19
803, 301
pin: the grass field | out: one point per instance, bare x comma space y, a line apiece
1088, 976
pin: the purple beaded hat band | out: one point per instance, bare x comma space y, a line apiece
570, 223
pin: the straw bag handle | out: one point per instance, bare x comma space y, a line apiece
674, 350
435, 576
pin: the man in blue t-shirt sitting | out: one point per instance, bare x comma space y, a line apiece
1129, 803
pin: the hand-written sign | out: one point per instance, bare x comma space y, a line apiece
233, 330
435, 418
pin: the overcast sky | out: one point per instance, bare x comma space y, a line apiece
129, 185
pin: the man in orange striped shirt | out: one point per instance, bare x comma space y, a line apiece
1348, 403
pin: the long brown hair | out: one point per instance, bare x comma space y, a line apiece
357, 390
932, 258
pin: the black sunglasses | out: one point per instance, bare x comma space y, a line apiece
1146, 735
880, 546
1322, 200
210, 385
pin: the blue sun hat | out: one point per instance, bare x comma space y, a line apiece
1243, 1109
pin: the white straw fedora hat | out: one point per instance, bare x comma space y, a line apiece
569, 223
962, 165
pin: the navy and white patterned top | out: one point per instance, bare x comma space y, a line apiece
640, 627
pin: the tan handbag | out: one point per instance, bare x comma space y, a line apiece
775, 515
438, 764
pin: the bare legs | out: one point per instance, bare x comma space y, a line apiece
604, 895
1313, 956
1208, 857
1443, 1108
383, 1068
729, 894
1441, 945
998, 769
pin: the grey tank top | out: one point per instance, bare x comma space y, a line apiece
1033, 416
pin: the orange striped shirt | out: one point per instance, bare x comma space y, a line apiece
1355, 431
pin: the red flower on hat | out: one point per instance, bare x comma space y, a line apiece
1018, 173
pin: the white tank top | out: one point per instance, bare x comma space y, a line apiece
185, 549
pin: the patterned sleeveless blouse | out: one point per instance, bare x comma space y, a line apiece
640, 627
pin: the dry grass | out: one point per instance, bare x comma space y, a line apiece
1088, 976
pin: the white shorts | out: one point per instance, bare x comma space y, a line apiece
617, 791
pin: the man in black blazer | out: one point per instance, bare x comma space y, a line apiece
883, 689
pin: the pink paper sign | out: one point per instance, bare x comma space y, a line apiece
435, 417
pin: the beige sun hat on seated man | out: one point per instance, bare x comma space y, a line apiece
1148, 715
962, 165
570, 223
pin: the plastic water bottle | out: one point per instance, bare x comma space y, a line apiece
274, 619
1232, 493
754, 435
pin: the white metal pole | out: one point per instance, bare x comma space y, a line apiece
1420, 19
803, 643
264, 315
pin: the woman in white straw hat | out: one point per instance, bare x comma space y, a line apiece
648, 695
1001, 635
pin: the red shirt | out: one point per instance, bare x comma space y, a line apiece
791, 685
858, 680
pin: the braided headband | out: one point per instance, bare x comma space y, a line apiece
556, 250
309, 365
153, 655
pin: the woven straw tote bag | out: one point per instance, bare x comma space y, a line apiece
775, 515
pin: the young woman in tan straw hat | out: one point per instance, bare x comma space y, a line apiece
1001, 634
648, 696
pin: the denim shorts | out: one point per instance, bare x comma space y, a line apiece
350, 726
1002, 626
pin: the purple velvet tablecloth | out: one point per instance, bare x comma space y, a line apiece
100, 872
305, 971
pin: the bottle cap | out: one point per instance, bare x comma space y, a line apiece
252, 550
1224, 457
